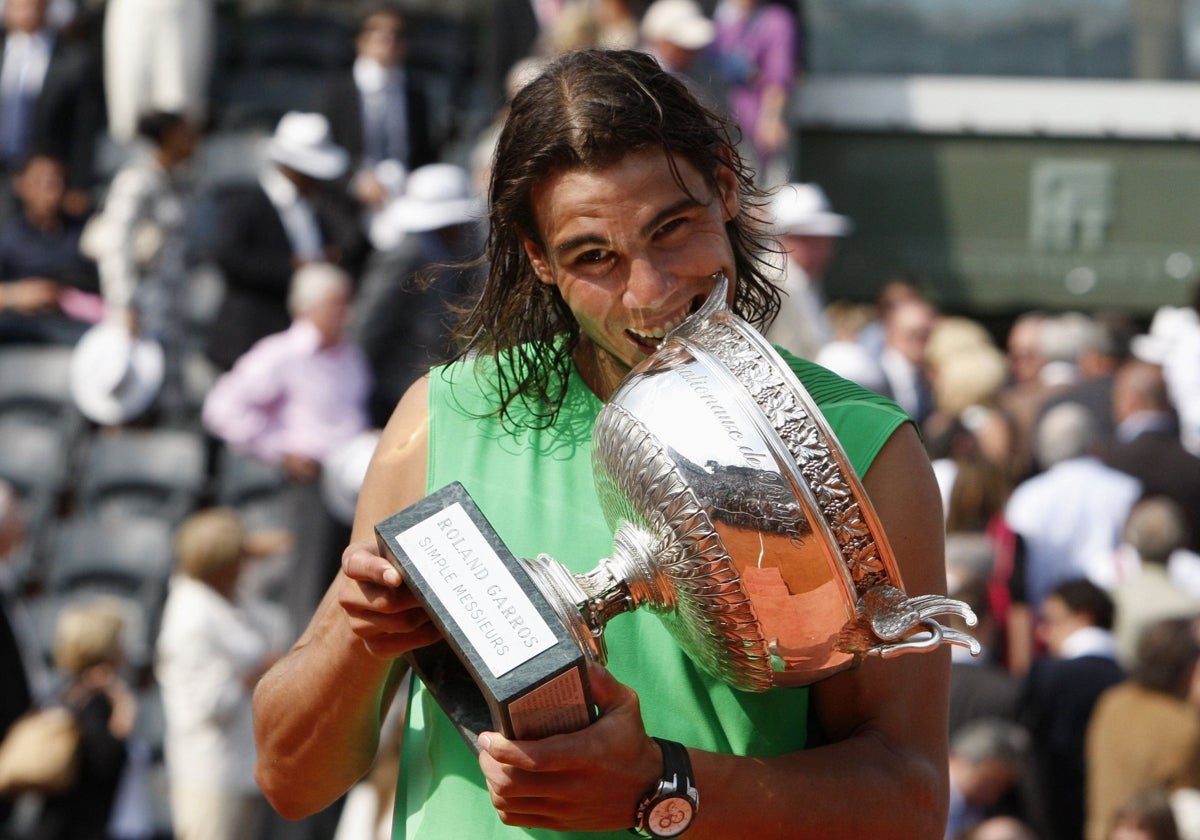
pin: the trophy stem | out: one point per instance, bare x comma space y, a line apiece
619, 584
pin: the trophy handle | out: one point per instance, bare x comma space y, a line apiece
886, 613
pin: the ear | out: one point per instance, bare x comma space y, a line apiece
537, 259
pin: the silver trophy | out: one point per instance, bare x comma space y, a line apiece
737, 519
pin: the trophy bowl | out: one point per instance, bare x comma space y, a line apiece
739, 520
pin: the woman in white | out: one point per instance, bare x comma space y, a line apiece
157, 57
212, 649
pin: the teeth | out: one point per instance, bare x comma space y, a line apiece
659, 333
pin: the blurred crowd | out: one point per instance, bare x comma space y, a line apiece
232, 234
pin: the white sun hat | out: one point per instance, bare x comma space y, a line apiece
304, 142
679, 22
115, 376
804, 209
435, 196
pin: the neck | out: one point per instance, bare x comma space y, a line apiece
600, 371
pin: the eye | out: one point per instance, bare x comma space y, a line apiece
670, 227
596, 255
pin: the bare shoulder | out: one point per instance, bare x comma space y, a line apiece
905, 495
396, 475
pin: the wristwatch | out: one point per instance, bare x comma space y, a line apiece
668, 809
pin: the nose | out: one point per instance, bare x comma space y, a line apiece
648, 285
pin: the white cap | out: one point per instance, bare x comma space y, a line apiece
680, 22
436, 195
804, 209
1167, 325
304, 142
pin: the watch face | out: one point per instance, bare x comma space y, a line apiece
669, 817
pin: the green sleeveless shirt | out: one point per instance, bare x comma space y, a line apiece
536, 488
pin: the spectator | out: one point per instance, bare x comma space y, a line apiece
47, 287
140, 241
846, 355
157, 57
1147, 444
1105, 348
907, 328
1181, 369
377, 112
484, 147
266, 230
293, 399
1043, 352
88, 651
757, 45
986, 759
1145, 731
50, 99
678, 34
518, 30
401, 313
1154, 531
808, 230
212, 648
1059, 692
1067, 520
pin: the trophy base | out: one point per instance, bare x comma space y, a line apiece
506, 661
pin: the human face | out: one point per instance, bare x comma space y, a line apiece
1057, 623
41, 186
382, 38
632, 253
330, 314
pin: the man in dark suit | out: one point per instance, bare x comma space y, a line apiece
50, 98
377, 112
1059, 692
264, 231
1147, 444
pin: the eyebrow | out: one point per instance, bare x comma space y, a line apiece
685, 203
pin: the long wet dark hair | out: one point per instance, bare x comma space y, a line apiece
588, 110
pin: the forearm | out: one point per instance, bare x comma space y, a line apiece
861, 787
317, 714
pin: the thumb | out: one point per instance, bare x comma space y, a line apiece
608, 693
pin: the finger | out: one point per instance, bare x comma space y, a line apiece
361, 561
395, 645
607, 692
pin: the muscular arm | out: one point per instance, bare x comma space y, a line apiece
883, 774
317, 712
